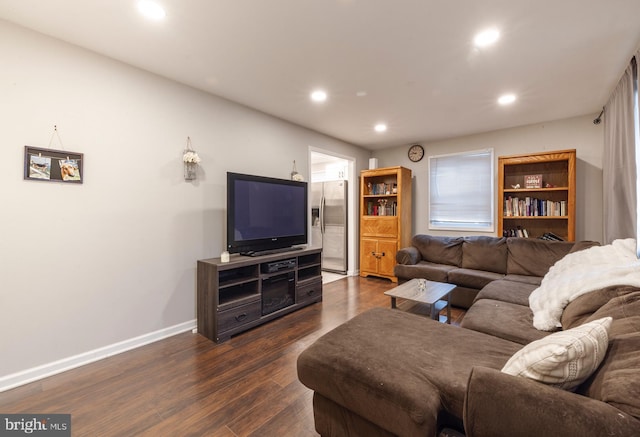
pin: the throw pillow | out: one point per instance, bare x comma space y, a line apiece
564, 359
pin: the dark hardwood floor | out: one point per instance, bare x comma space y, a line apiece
187, 385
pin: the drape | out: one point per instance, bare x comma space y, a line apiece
619, 159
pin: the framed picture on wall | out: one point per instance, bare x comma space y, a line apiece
53, 165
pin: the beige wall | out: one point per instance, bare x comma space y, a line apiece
88, 266
97, 265
575, 133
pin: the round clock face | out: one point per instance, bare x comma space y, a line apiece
416, 152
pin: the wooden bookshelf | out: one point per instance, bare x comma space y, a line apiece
537, 210
385, 219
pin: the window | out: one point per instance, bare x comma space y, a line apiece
461, 194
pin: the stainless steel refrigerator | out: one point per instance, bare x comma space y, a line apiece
329, 223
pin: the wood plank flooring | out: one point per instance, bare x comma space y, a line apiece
187, 385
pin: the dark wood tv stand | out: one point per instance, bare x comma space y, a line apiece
242, 293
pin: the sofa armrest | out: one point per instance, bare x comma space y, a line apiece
497, 404
408, 255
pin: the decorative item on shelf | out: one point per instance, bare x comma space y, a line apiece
191, 160
383, 206
533, 181
295, 176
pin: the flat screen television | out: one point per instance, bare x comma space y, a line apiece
265, 214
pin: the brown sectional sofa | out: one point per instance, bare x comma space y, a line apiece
390, 373
471, 263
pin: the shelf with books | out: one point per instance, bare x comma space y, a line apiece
535, 227
381, 206
385, 218
536, 193
534, 207
521, 232
376, 187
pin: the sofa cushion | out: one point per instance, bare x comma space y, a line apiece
534, 257
485, 253
624, 308
535, 280
424, 270
331, 419
441, 250
564, 359
507, 291
472, 278
372, 366
501, 405
462, 297
502, 319
617, 381
583, 308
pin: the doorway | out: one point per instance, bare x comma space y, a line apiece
332, 209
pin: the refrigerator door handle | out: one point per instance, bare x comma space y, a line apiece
322, 215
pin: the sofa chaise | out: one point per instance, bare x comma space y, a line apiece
391, 373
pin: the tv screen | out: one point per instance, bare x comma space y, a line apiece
264, 214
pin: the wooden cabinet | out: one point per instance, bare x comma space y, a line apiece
246, 291
378, 256
385, 219
537, 195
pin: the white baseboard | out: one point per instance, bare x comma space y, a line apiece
26, 376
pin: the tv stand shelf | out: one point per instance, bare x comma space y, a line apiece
235, 296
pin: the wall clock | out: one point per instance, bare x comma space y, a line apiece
416, 152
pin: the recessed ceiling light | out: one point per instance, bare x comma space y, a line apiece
486, 37
151, 10
318, 96
361, 93
507, 99
380, 127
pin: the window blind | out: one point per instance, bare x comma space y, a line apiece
461, 195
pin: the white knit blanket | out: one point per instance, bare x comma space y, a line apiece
579, 273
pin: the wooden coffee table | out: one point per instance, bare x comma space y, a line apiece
422, 297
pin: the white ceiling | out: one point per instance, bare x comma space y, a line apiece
414, 58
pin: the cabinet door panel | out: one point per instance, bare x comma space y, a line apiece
380, 227
368, 261
309, 292
388, 260
238, 316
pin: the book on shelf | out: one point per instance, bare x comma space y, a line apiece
382, 188
550, 236
533, 207
518, 232
521, 232
375, 209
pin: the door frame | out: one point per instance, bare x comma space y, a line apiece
352, 206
